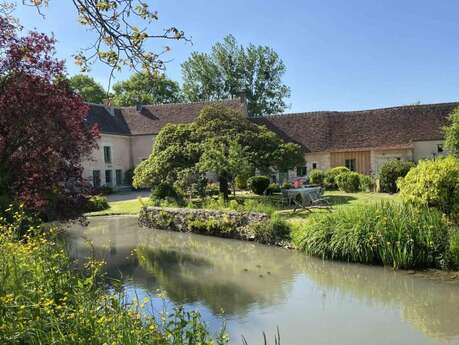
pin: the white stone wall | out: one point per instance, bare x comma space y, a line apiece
378, 157
322, 160
141, 146
120, 158
428, 149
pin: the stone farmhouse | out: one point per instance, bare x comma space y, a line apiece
360, 140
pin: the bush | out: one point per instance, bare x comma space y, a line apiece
164, 191
317, 176
45, 300
348, 182
330, 176
96, 203
286, 185
241, 182
102, 190
258, 184
394, 234
433, 184
366, 183
273, 231
273, 188
390, 172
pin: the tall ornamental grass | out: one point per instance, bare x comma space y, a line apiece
387, 233
44, 301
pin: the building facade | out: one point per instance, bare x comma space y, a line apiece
359, 140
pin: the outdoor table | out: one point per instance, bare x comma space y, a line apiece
303, 193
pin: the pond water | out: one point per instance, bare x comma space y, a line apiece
259, 288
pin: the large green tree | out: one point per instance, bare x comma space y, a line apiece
231, 69
146, 89
452, 133
88, 88
215, 141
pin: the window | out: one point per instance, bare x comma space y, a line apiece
314, 165
96, 178
301, 171
119, 177
107, 154
108, 177
350, 164
440, 148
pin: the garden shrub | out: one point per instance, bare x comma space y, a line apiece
258, 184
241, 182
273, 231
317, 176
433, 183
394, 234
366, 183
102, 190
390, 172
96, 203
164, 191
348, 182
330, 176
454, 248
286, 185
273, 188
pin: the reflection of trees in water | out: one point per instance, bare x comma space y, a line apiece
212, 271
430, 306
220, 274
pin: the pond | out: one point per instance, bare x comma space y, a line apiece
256, 288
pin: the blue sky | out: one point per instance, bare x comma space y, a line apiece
340, 55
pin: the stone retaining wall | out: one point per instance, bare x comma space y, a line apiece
229, 224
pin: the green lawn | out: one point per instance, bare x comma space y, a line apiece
121, 207
337, 199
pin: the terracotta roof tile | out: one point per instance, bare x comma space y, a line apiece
388, 127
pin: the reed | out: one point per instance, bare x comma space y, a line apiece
385, 233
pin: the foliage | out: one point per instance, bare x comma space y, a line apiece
43, 300
390, 172
241, 182
87, 88
452, 133
348, 182
128, 177
96, 203
258, 184
286, 185
366, 183
145, 88
163, 191
102, 190
221, 140
273, 188
329, 180
392, 234
122, 37
43, 131
317, 176
433, 183
231, 69
273, 231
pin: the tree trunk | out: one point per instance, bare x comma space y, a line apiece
223, 178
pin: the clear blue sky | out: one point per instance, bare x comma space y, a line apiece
340, 55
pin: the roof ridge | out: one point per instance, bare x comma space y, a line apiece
318, 112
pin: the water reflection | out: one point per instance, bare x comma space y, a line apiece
251, 282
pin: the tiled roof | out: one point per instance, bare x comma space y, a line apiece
151, 118
111, 122
388, 127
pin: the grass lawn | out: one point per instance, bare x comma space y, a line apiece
121, 207
337, 199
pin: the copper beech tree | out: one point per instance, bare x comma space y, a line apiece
43, 130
